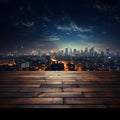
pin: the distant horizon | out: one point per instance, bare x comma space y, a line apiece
28, 52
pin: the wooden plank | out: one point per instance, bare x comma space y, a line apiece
99, 86
54, 106
96, 80
90, 89
9, 89
104, 101
15, 101
40, 90
15, 95
19, 86
102, 94
30, 89
59, 85
22, 80
109, 82
114, 106
59, 80
58, 94
52, 82
80, 82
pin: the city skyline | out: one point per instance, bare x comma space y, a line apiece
27, 25
65, 51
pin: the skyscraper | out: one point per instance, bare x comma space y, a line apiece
66, 51
107, 51
39, 52
70, 51
74, 52
91, 51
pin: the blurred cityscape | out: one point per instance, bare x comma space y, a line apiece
62, 60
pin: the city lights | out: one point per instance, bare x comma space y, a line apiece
69, 59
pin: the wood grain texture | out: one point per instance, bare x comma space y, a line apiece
59, 89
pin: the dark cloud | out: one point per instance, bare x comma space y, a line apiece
28, 24
117, 18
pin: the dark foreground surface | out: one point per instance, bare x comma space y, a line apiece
59, 89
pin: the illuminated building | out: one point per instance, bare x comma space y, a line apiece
39, 52
66, 51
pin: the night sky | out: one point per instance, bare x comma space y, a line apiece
27, 25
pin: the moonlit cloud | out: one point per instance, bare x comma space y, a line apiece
86, 38
28, 24
104, 7
52, 38
74, 27
46, 19
104, 32
64, 28
44, 25
98, 7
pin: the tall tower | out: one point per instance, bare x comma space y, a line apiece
70, 51
66, 51
86, 50
39, 52
75, 51
107, 51
92, 51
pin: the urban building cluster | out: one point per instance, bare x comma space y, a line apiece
62, 60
